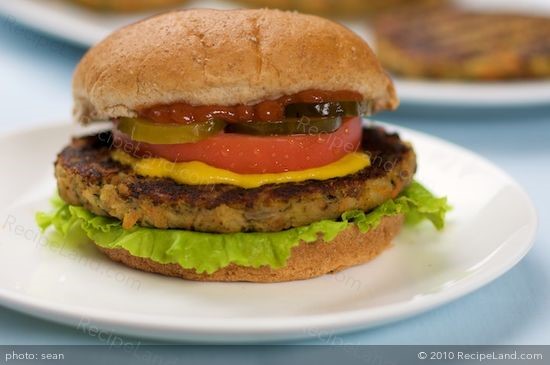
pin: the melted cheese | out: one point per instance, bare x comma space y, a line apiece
199, 173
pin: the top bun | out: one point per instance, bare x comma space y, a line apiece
224, 57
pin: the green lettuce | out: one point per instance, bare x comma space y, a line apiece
208, 252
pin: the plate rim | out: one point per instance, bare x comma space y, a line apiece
439, 95
290, 327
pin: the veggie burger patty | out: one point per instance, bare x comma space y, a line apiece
88, 176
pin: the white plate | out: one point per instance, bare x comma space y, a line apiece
71, 22
490, 229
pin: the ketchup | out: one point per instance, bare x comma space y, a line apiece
265, 111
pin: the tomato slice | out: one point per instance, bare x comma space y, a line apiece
248, 154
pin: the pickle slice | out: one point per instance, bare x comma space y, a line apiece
288, 126
142, 130
328, 109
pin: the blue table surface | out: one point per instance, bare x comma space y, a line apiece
35, 88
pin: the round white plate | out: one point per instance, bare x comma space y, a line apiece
490, 229
62, 19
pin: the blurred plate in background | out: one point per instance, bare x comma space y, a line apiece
476, 93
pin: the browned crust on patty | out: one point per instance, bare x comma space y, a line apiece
349, 248
87, 176
446, 42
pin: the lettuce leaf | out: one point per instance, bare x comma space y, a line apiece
208, 252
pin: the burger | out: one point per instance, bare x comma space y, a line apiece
237, 150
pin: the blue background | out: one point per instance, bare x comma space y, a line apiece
35, 88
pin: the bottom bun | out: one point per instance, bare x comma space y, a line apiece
350, 247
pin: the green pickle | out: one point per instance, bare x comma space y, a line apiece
287, 126
300, 118
142, 130
328, 109
304, 118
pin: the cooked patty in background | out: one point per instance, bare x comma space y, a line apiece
87, 176
445, 42
128, 5
338, 8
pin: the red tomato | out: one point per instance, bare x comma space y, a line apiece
247, 154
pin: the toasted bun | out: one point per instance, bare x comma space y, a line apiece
350, 247
224, 57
